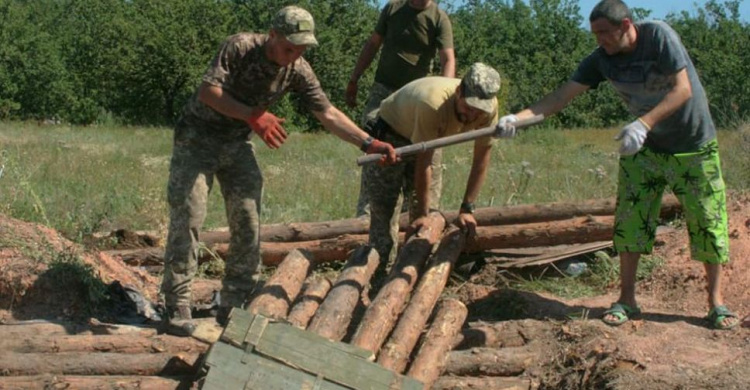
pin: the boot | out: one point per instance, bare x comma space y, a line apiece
179, 321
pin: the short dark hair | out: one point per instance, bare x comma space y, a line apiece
615, 11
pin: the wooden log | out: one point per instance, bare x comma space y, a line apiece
308, 303
335, 314
102, 343
489, 362
576, 230
82, 363
282, 288
486, 383
432, 354
384, 310
35, 328
485, 216
395, 353
91, 382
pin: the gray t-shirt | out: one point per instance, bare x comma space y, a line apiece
644, 76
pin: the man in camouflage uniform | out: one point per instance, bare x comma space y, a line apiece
410, 32
248, 75
423, 110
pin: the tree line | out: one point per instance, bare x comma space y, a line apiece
138, 61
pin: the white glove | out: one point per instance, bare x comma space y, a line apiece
632, 136
505, 127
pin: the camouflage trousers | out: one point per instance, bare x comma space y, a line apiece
388, 188
378, 93
193, 167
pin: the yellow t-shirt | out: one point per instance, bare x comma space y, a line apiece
424, 110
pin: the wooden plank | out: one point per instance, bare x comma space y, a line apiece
553, 255
227, 372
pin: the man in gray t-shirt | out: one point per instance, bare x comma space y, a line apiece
671, 142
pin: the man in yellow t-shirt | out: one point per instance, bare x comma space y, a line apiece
423, 110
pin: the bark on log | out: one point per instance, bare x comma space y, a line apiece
485, 216
91, 382
102, 343
282, 288
335, 314
308, 303
76, 363
487, 383
431, 357
384, 310
396, 352
489, 362
576, 230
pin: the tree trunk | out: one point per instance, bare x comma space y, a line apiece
40, 329
102, 343
92, 382
576, 230
308, 303
486, 383
76, 363
277, 295
395, 353
382, 314
335, 314
489, 362
431, 356
485, 216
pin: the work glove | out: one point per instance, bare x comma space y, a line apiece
632, 137
351, 94
384, 148
505, 127
268, 127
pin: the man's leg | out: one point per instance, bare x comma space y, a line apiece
378, 92
241, 186
700, 188
187, 194
628, 269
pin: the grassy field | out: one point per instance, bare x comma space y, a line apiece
84, 179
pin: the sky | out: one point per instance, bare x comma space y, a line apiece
659, 8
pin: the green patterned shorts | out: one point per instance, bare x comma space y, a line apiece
695, 178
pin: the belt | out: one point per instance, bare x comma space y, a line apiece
380, 129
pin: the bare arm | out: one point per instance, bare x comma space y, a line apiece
215, 97
478, 172
339, 124
673, 100
448, 62
369, 50
555, 101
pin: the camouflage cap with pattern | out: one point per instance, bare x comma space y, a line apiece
296, 24
480, 87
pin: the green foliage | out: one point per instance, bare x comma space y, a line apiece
138, 61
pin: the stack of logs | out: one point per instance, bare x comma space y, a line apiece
406, 325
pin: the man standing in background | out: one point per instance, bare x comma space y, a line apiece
250, 73
410, 33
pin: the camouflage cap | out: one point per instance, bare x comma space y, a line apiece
480, 87
296, 24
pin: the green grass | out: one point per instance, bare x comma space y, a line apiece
84, 179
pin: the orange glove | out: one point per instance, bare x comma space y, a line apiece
375, 146
268, 127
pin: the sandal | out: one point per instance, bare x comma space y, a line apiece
718, 314
621, 312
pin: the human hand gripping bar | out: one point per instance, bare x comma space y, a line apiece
446, 141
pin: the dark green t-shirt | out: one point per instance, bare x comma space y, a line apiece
411, 38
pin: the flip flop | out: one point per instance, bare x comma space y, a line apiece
718, 314
621, 312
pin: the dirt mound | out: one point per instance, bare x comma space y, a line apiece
44, 275
670, 346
